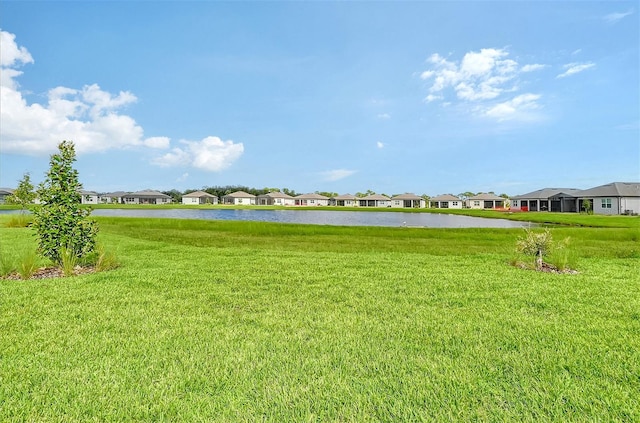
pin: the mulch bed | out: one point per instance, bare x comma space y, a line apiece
52, 272
548, 268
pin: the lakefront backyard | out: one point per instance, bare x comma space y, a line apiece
210, 320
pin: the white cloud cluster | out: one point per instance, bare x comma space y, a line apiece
488, 79
90, 117
209, 154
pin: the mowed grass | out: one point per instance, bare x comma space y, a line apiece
243, 321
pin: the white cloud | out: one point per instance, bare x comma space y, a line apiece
518, 108
573, 68
533, 67
380, 144
183, 177
337, 174
90, 117
479, 75
485, 81
210, 154
157, 142
616, 16
384, 116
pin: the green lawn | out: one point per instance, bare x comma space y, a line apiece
243, 321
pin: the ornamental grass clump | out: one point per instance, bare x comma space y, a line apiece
62, 225
539, 245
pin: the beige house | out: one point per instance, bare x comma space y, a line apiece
146, 197
275, 198
485, 201
239, 198
408, 200
446, 201
199, 197
344, 200
312, 199
374, 200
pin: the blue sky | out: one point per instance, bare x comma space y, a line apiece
427, 97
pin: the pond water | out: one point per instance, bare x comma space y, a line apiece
312, 217
324, 217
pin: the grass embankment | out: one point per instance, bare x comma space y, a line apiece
246, 321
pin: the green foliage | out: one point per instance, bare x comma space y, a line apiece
19, 221
587, 206
28, 265
60, 222
537, 244
69, 261
24, 194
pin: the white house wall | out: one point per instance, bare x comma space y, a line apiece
632, 204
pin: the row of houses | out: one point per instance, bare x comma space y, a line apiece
609, 199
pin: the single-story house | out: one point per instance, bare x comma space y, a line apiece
547, 199
146, 197
276, 198
446, 201
408, 200
88, 197
614, 198
485, 201
375, 200
344, 200
199, 197
239, 198
113, 197
311, 199
4, 194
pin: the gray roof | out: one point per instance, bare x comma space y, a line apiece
486, 196
240, 194
311, 196
546, 193
407, 196
6, 191
614, 189
114, 194
148, 193
378, 197
198, 194
445, 197
275, 194
84, 192
345, 197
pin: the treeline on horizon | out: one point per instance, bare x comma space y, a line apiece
221, 191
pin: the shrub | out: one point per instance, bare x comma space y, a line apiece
540, 245
60, 222
28, 265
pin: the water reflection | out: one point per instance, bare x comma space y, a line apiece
324, 217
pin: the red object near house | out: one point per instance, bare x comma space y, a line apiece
524, 208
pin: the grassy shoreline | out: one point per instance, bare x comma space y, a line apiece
245, 321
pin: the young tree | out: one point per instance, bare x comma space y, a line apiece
537, 244
61, 224
24, 194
